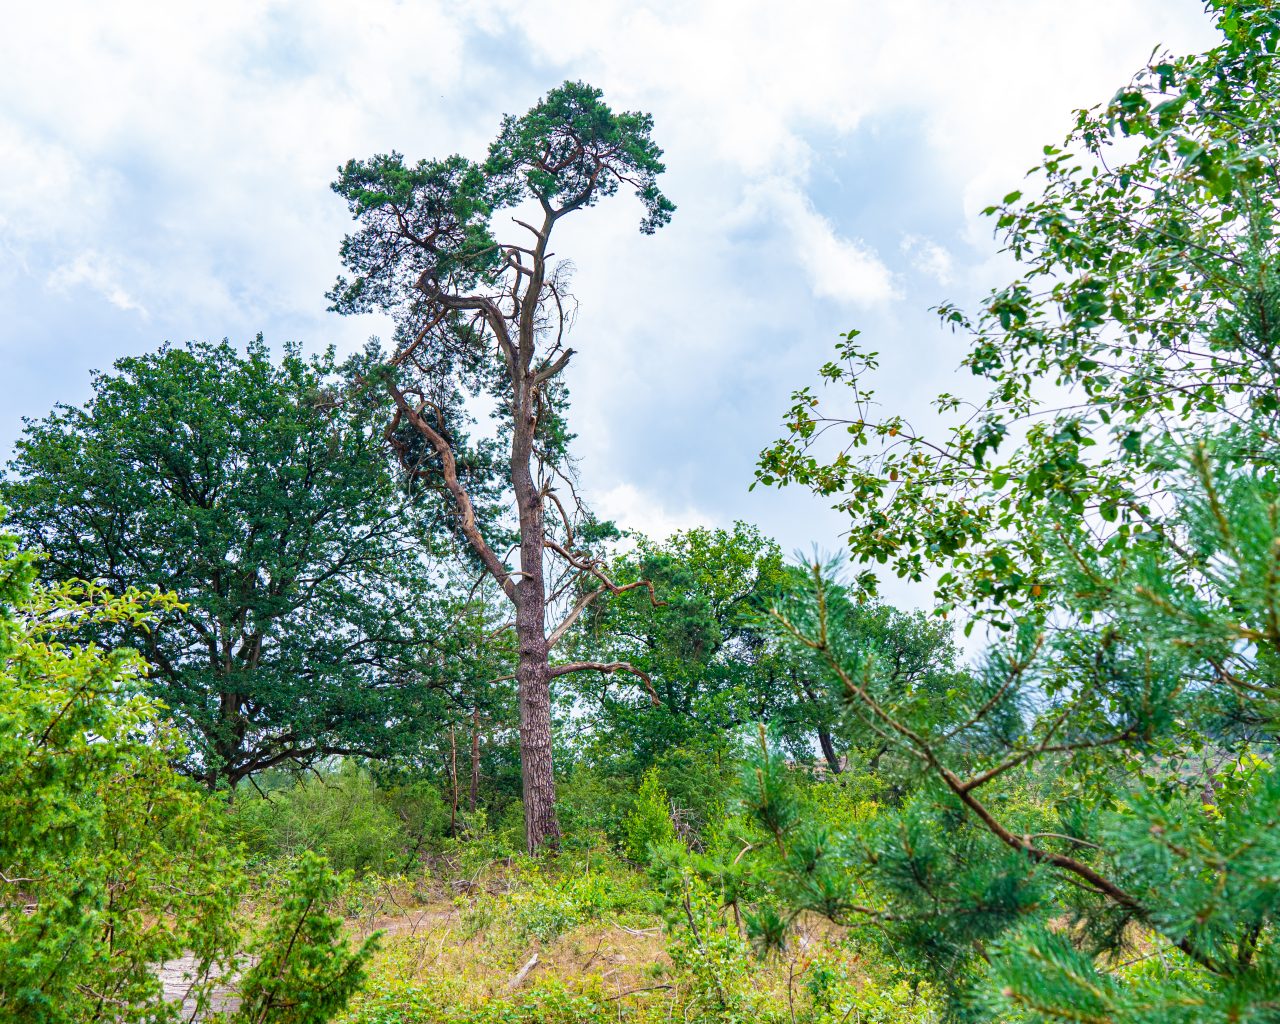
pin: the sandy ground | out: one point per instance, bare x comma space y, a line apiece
176, 977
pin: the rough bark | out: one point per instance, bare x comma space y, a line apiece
541, 826
533, 670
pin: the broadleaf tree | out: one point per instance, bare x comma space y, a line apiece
1145, 289
1092, 833
243, 485
705, 655
717, 667
482, 317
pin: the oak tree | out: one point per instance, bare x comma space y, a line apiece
245, 487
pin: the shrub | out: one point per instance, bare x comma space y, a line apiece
112, 862
592, 804
343, 816
648, 825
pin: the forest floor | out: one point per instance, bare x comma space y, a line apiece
508, 957
439, 941
585, 947
442, 942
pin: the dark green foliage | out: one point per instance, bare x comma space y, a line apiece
431, 219
260, 492
571, 150
915, 654
477, 463
710, 664
717, 666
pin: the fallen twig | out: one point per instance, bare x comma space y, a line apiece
638, 931
633, 991
521, 974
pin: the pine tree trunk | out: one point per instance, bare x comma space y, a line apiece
533, 670
533, 676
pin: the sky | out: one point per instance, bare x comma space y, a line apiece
165, 171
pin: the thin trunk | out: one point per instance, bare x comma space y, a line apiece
453, 778
475, 761
824, 734
829, 750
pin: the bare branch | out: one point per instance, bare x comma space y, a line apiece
607, 586
564, 516
449, 469
608, 668
554, 367
529, 227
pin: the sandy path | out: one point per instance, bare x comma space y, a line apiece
176, 976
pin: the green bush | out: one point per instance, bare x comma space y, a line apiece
648, 825
698, 774
508, 827
593, 804
343, 816
110, 863
844, 802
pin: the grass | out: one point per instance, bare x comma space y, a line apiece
585, 939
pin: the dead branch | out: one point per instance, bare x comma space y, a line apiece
449, 469
554, 367
521, 974
592, 567
608, 668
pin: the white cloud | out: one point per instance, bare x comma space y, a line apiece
751, 83
928, 257
224, 123
843, 269
846, 270
634, 509
99, 273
